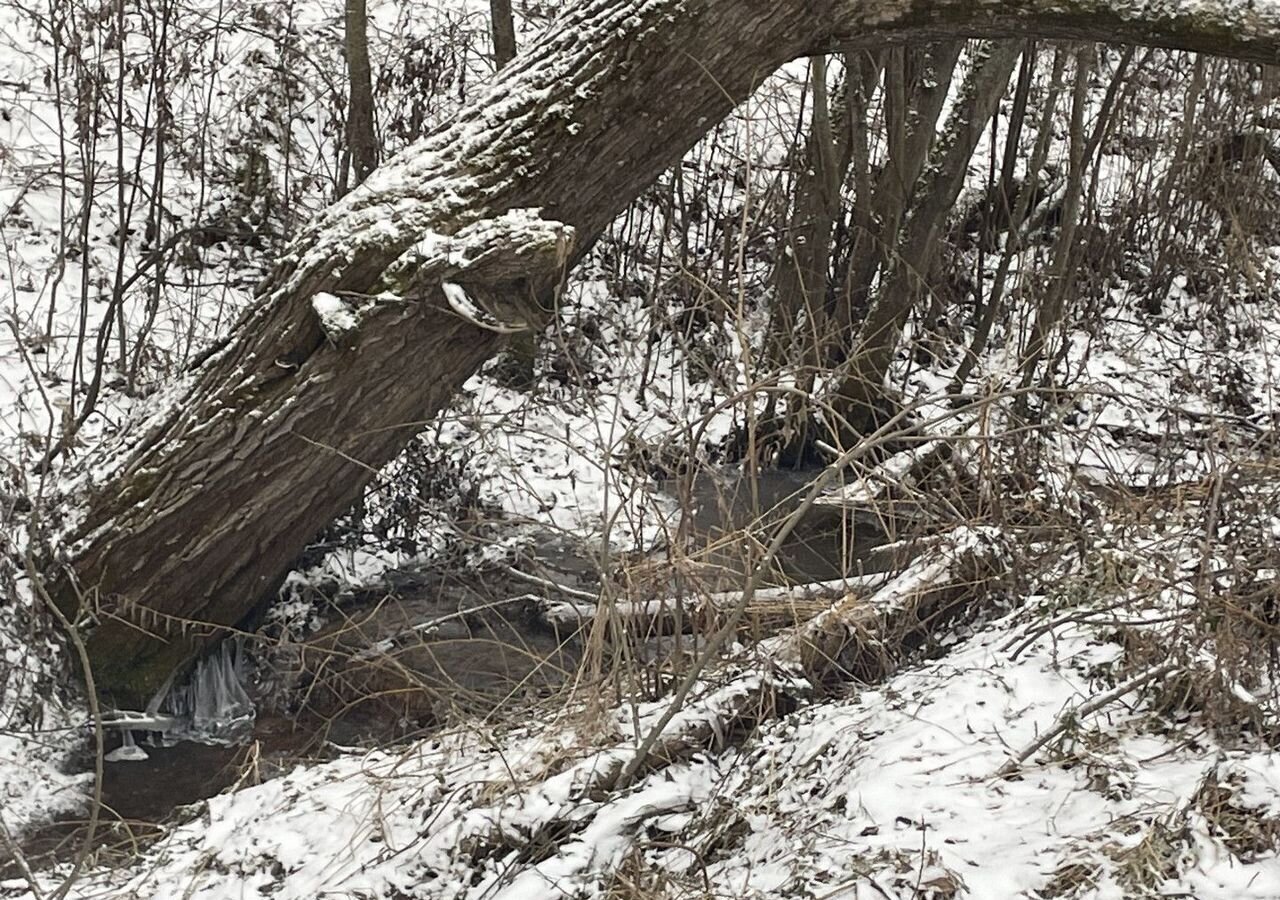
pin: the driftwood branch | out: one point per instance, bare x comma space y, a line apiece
662, 616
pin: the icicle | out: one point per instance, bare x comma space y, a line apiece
154, 708
213, 702
154, 704
211, 707
127, 752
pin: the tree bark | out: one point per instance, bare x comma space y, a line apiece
874, 248
504, 32
401, 289
1064, 245
522, 353
861, 389
801, 273
362, 138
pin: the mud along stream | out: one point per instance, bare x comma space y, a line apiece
427, 648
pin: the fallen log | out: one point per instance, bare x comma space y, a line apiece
862, 637
670, 614
770, 609
898, 471
865, 638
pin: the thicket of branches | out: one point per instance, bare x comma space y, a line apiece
780, 262
871, 232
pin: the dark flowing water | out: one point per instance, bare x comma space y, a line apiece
730, 517
375, 675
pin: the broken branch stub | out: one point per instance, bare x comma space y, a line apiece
488, 270
489, 273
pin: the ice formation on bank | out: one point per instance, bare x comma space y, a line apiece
210, 707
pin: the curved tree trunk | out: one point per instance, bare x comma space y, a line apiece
399, 291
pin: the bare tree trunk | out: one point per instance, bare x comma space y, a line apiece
1162, 279
862, 388
1021, 205
401, 289
917, 81
1064, 247
874, 247
802, 273
504, 32
864, 72
362, 139
383, 307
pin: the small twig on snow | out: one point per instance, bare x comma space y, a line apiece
1069, 716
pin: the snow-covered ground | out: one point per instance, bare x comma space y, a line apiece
890, 791
910, 787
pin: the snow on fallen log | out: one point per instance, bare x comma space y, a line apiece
663, 616
864, 637
543, 817
896, 471
783, 606
892, 492
579, 821
605, 841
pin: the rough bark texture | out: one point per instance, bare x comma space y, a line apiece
504, 32
522, 353
278, 430
362, 139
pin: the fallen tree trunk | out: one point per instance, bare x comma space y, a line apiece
399, 291
901, 470
644, 618
863, 637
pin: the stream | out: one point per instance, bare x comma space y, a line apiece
375, 675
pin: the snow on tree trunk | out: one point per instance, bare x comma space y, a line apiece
399, 291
